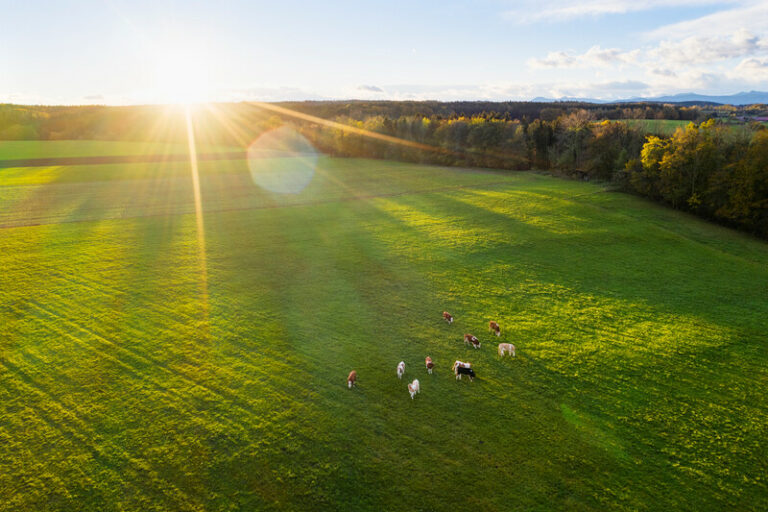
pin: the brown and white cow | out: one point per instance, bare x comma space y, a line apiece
447, 317
429, 364
352, 379
472, 340
494, 328
400, 369
414, 388
506, 348
460, 364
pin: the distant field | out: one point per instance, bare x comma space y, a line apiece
71, 148
135, 376
656, 126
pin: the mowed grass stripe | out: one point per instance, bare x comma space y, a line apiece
171, 389
135, 360
64, 420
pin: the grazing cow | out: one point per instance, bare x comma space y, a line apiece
352, 379
400, 369
460, 370
429, 364
494, 328
414, 387
460, 364
447, 317
468, 338
506, 348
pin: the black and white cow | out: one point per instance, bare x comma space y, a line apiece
460, 370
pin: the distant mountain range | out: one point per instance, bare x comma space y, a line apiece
741, 98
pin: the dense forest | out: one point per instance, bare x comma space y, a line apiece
707, 167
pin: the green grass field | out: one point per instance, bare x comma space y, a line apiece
664, 127
134, 375
74, 148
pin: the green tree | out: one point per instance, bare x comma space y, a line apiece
748, 195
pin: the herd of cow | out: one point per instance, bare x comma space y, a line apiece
459, 367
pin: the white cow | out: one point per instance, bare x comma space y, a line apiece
507, 348
414, 388
400, 369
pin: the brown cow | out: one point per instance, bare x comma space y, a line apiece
429, 364
468, 338
447, 317
494, 327
352, 379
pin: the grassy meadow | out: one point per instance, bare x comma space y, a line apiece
662, 127
136, 374
22, 149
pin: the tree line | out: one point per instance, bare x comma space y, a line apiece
23, 122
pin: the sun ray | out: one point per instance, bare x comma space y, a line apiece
198, 211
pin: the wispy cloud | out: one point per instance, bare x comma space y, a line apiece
529, 11
369, 88
271, 93
594, 57
750, 15
706, 49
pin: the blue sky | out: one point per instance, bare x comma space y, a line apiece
124, 52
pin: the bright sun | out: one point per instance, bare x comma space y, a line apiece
181, 75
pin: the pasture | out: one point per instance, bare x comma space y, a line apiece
660, 127
90, 148
137, 375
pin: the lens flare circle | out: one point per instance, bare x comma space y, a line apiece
282, 161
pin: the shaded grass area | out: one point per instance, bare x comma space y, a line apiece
128, 381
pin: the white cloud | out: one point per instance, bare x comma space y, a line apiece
530, 11
594, 57
270, 93
753, 69
370, 88
666, 72
554, 60
705, 49
749, 15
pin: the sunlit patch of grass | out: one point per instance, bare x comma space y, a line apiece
540, 210
446, 231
